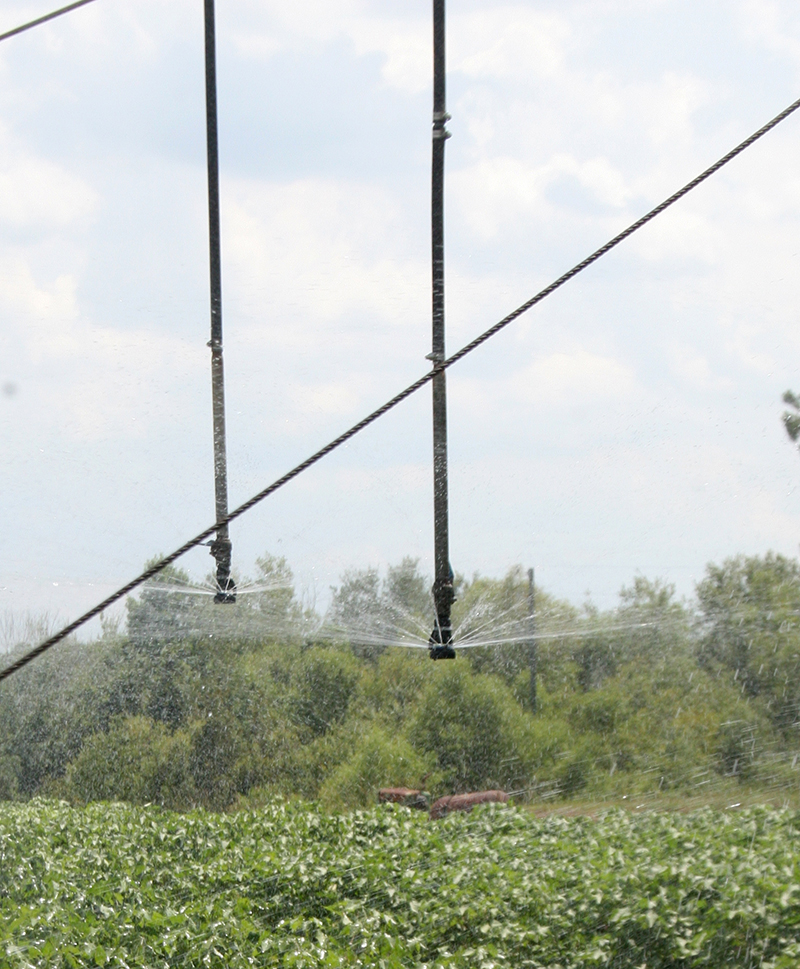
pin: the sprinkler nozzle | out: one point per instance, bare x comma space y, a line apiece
221, 550
440, 644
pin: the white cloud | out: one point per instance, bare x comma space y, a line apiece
580, 377
35, 193
404, 44
589, 381
773, 24
45, 309
334, 398
89, 379
322, 250
260, 46
694, 367
497, 193
744, 345
684, 234
502, 42
671, 106
509, 42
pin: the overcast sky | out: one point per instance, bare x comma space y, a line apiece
628, 425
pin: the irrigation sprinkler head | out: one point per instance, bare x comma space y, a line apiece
440, 644
221, 550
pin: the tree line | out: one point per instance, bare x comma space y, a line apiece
190, 704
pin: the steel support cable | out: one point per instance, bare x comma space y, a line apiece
43, 20
37, 651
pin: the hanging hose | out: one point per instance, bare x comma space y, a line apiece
221, 547
441, 641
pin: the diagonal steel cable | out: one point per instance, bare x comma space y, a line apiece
44, 19
397, 399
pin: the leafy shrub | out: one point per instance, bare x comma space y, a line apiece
737, 748
215, 758
379, 761
9, 770
50, 707
599, 712
573, 776
470, 724
324, 684
393, 687
314, 762
138, 760
595, 657
541, 741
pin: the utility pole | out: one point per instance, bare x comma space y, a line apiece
532, 650
441, 640
221, 547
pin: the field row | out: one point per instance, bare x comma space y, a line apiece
291, 886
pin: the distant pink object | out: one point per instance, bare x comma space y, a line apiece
465, 802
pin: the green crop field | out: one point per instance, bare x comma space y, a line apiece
289, 886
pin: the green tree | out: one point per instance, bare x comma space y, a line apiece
276, 607
138, 761
380, 760
791, 418
48, 708
407, 598
594, 650
751, 625
393, 686
357, 614
655, 626
324, 683
163, 614
372, 614
471, 724
217, 752
496, 612
649, 626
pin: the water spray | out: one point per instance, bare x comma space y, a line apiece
221, 547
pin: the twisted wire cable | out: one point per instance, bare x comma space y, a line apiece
44, 19
157, 567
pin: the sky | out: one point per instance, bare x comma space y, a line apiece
629, 425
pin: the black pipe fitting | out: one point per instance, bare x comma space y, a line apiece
440, 644
221, 549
